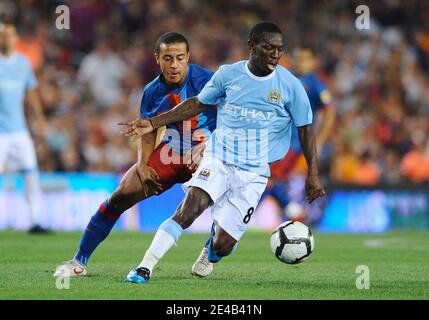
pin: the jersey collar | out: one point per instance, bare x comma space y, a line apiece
246, 67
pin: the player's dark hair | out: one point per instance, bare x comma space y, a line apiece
256, 33
171, 37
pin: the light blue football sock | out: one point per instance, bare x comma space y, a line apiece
172, 227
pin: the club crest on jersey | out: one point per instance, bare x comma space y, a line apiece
204, 174
274, 96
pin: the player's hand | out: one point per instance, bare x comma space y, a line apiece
195, 155
149, 179
313, 188
136, 128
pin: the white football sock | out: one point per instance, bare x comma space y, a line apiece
161, 243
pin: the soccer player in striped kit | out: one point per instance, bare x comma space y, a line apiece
153, 173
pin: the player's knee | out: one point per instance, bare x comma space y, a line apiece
199, 199
122, 199
186, 215
194, 204
118, 195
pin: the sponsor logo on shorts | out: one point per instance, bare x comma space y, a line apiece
204, 174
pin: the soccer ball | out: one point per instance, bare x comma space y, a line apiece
292, 242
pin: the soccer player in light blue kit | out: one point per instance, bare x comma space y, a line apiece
259, 102
17, 153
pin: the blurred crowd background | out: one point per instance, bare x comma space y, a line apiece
93, 75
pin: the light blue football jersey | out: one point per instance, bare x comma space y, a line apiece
16, 78
255, 115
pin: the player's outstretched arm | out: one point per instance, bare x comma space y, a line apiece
313, 188
184, 110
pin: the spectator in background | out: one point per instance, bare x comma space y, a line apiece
32, 44
101, 72
345, 165
83, 14
415, 164
367, 173
391, 171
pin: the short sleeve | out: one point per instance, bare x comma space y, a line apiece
214, 90
152, 106
299, 105
199, 77
146, 108
203, 81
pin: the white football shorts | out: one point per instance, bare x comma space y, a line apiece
17, 152
235, 193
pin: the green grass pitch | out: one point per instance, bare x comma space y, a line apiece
398, 265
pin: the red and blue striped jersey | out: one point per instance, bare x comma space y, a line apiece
158, 98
